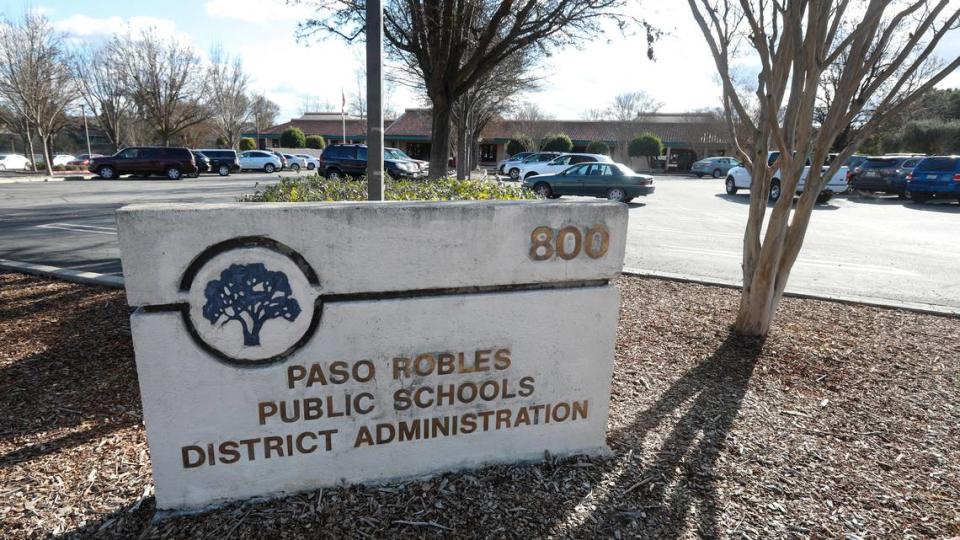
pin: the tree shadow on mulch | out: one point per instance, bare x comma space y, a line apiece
681, 472
68, 362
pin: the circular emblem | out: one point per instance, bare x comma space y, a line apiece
252, 301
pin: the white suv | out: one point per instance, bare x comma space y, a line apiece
260, 160
559, 164
739, 178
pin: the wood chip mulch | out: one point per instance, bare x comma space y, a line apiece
845, 422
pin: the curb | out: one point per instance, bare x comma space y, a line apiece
31, 180
75, 276
915, 307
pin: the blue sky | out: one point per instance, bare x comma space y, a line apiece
262, 34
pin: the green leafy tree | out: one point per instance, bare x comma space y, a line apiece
292, 138
645, 145
519, 143
247, 143
316, 142
598, 147
931, 136
558, 142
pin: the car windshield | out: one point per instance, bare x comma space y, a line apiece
394, 153
624, 169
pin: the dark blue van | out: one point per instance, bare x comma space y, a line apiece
937, 176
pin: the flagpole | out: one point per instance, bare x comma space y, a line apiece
343, 114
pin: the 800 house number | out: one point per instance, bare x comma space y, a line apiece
569, 242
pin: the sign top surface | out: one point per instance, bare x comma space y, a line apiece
374, 249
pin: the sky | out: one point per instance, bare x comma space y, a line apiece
297, 73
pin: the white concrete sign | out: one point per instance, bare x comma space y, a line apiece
283, 347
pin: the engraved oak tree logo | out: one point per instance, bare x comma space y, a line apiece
252, 295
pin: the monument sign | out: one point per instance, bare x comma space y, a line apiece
281, 348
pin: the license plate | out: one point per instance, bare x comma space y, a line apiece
932, 176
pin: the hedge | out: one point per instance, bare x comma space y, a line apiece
318, 189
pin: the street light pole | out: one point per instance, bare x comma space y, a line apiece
375, 100
86, 130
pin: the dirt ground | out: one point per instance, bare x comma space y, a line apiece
844, 422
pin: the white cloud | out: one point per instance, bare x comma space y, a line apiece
85, 27
256, 11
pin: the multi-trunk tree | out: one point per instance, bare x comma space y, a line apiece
454, 44
229, 103
879, 53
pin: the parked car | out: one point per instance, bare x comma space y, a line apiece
295, 163
203, 163
883, 174
62, 159
935, 177
83, 160
716, 167
505, 166
399, 155
559, 164
260, 160
614, 181
144, 161
340, 160
536, 157
739, 178
282, 157
311, 162
10, 162
222, 160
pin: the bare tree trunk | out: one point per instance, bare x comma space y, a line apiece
45, 140
440, 140
463, 150
33, 157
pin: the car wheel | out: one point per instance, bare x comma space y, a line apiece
824, 197
775, 190
716, 173
903, 195
311, 166
514, 174
173, 173
543, 189
919, 197
107, 173
333, 174
698, 175
295, 167
223, 170
731, 186
269, 168
617, 194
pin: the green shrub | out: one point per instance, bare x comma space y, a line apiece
318, 189
598, 147
519, 143
247, 143
292, 138
645, 145
222, 142
59, 168
316, 142
559, 142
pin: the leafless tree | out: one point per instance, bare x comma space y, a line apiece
229, 102
35, 76
104, 89
166, 81
795, 43
486, 100
532, 121
633, 106
454, 43
263, 113
596, 113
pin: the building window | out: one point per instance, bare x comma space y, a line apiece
419, 150
488, 153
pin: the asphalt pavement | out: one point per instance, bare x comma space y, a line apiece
877, 248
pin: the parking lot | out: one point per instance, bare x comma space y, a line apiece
877, 248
